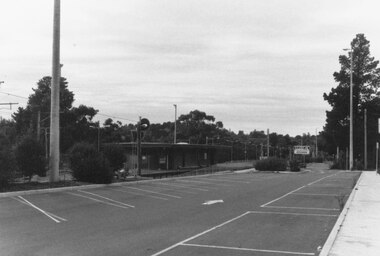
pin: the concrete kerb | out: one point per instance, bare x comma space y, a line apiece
90, 186
334, 232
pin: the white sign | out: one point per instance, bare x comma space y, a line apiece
301, 150
378, 125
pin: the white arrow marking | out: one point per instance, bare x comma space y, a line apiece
210, 202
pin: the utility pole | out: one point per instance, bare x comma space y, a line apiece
139, 147
10, 104
351, 115
365, 139
316, 143
38, 125
351, 152
175, 123
267, 142
54, 115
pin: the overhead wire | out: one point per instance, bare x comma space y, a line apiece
105, 115
14, 95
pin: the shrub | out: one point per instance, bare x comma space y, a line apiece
115, 156
318, 159
89, 165
271, 164
30, 157
340, 165
7, 163
294, 166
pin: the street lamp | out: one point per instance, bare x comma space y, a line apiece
351, 52
175, 123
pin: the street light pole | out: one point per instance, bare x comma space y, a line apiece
351, 116
351, 153
175, 123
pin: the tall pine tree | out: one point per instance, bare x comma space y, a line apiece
366, 82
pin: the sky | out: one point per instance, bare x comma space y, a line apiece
251, 64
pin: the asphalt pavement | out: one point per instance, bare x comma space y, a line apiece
221, 214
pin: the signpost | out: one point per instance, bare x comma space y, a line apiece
302, 150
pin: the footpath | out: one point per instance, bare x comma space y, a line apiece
357, 231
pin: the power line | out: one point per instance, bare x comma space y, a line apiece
14, 95
105, 115
115, 117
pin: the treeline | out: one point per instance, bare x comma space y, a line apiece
77, 125
27, 133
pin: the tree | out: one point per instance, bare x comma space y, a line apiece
366, 81
30, 157
7, 164
39, 101
89, 165
75, 122
196, 126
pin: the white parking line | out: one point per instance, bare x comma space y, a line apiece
309, 194
162, 188
106, 198
246, 249
97, 200
138, 194
181, 186
198, 235
295, 213
264, 205
321, 179
227, 180
291, 192
54, 217
150, 191
301, 208
204, 182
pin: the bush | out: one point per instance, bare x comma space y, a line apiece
115, 156
339, 165
271, 164
30, 157
294, 166
89, 165
7, 163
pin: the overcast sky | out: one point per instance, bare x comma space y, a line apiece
251, 64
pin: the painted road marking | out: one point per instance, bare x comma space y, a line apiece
295, 213
228, 180
204, 182
184, 242
98, 200
183, 186
163, 188
210, 202
198, 235
217, 180
153, 192
302, 208
246, 249
291, 192
54, 217
309, 194
138, 194
265, 205
106, 198
321, 179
